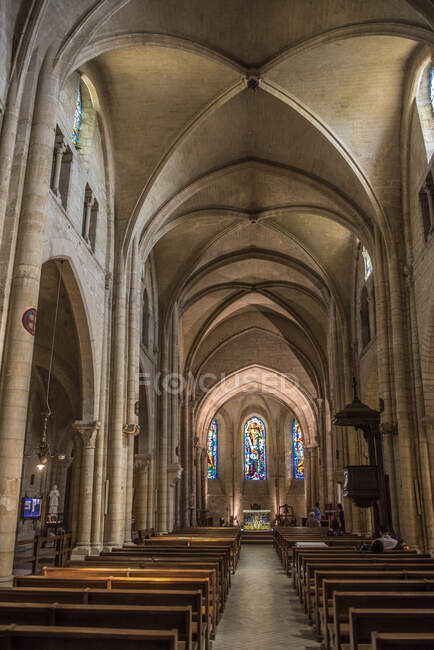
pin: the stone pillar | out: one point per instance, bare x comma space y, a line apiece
308, 478
115, 519
87, 433
141, 467
89, 202
197, 457
130, 431
18, 349
314, 474
101, 446
409, 523
75, 488
174, 472
151, 492
59, 150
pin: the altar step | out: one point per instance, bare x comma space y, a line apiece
256, 537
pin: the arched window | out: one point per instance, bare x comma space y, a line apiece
212, 450
431, 87
297, 450
78, 114
368, 263
145, 319
254, 450
364, 317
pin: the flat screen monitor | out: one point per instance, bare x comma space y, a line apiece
31, 507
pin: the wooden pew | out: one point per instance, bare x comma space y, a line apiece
336, 556
388, 641
372, 574
118, 572
102, 616
365, 621
343, 602
30, 637
148, 562
312, 599
352, 563
169, 584
329, 587
191, 599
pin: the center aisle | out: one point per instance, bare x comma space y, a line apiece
262, 610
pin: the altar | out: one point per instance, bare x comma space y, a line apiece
256, 519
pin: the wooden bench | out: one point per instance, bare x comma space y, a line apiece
31, 637
343, 602
191, 599
104, 616
372, 574
365, 621
385, 641
311, 597
329, 587
143, 562
357, 563
169, 584
118, 572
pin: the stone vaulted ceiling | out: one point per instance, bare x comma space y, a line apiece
254, 143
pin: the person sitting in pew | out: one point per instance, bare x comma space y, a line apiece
386, 542
312, 521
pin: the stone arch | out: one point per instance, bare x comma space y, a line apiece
262, 380
80, 311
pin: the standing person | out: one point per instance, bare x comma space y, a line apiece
318, 512
341, 517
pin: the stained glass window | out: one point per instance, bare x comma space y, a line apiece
431, 87
254, 450
297, 450
212, 450
368, 263
77, 119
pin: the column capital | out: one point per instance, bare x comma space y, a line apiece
60, 147
87, 432
174, 471
141, 462
131, 429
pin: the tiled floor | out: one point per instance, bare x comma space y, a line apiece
262, 610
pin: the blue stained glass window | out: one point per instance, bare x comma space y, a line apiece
212, 450
297, 450
254, 450
77, 119
368, 263
431, 87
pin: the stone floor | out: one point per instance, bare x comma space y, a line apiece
262, 610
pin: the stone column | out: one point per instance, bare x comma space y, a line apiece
151, 492
101, 443
314, 474
75, 486
163, 443
197, 455
59, 150
130, 431
409, 522
115, 517
174, 472
89, 202
24, 296
141, 467
87, 433
308, 478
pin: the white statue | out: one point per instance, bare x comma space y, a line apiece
54, 496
